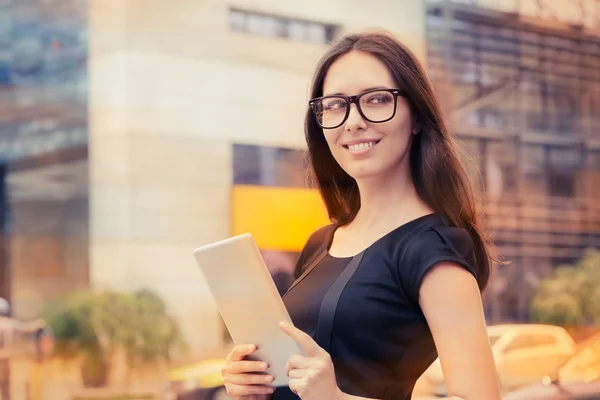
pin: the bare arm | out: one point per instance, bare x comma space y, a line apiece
451, 302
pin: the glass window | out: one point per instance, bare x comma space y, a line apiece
270, 166
317, 33
564, 163
520, 342
297, 30
594, 160
534, 170
246, 165
565, 157
533, 158
237, 20
258, 24
275, 26
562, 184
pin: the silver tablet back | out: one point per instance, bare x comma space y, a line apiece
248, 300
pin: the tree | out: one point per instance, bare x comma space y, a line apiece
571, 295
95, 326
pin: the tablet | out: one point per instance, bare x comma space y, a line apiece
248, 301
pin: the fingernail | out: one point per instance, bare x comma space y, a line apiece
269, 379
264, 365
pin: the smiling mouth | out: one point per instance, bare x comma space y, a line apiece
361, 146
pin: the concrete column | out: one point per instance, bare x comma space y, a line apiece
159, 184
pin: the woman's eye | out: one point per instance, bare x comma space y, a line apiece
334, 105
379, 99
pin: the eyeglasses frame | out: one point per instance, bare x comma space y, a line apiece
355, 100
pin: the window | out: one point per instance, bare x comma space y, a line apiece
562, 174
534, 170
269, 166
562, 184
552, 66
520, 342
276, 26
594, 160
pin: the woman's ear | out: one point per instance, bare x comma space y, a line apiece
416, 126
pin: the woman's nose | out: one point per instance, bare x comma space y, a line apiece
355, 120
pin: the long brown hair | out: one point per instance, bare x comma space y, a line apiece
437, 173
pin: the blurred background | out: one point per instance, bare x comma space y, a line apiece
133, 131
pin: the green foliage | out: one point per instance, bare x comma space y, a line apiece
571, 295
71, 326
94, 326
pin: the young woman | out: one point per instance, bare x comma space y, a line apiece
403, 264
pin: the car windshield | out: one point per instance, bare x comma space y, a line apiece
494, 339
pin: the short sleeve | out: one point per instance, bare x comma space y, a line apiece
434, 245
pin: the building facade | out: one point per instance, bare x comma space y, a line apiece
194, 132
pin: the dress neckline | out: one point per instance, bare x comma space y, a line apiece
405, 225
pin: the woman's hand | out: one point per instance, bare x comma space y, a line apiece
241, 378
311, 375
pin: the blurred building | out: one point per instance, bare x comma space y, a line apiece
192, 130
43, 151
520, 82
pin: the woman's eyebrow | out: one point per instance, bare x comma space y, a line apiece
365, 90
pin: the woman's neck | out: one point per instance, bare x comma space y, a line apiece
388, 201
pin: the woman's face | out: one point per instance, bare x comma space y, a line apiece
365, 149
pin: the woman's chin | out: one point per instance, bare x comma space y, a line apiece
364, 172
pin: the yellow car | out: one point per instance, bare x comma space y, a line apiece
198, 381
524, 354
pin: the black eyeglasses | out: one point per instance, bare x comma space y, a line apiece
376, 105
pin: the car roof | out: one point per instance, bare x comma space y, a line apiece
530, 328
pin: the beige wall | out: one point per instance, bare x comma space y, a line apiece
170, 90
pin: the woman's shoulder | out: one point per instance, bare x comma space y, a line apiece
435, 243
319, 239
317, 242
436, 237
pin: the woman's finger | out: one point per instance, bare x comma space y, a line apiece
239, 352
297, 373
241, 367
243, 390
298, 361
309, 346
296, 385
248, 379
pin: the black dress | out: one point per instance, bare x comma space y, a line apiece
380, 342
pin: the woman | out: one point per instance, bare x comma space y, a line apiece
405, 243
